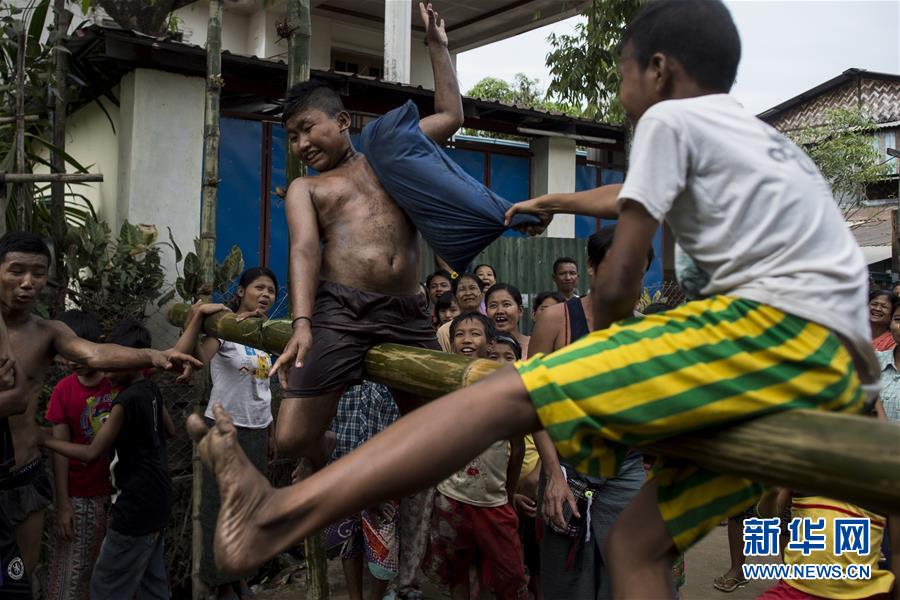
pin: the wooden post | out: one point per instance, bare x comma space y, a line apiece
20, 190
851, 458
207, 252
299, 33
62, 18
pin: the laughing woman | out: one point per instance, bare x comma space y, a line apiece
240, 381
504, 308
881, 305
469, 298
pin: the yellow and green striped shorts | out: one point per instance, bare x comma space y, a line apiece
707, 363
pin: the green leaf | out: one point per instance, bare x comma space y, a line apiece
191, 265
175, 247
68, 158
35, 27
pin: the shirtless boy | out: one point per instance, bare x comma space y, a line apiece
25, 491
354, 256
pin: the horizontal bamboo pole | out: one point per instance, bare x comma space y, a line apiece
12, 120
851, 458
49, 177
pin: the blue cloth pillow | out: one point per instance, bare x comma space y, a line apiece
458, 216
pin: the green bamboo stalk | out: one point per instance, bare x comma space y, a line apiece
851, 458
299, 34
214, 83
62, 19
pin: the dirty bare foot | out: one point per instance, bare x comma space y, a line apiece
239, 545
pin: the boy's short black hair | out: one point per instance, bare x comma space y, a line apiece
85, 324
131, 334
444, 301
563, 260
541, 297
311, 94
700, 34
505, 338
24, 242
439, 273
489, 331
600, 242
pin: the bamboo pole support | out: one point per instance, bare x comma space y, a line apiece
50, 177
21, 193
299, 28
13, 120
851, 458
211, 135
62, 19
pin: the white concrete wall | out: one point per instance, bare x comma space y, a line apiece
91, 141
553, 171
161, 155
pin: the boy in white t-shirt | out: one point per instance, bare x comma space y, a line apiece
781, 325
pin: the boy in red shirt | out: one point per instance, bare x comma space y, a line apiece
79, 404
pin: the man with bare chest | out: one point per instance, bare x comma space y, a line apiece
354, 257
25, 489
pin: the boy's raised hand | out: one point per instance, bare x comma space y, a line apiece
434, 25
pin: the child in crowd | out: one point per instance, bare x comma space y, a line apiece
778, 324
132, 557
505, 349
79, 405
446, 308
370, 537
474, 522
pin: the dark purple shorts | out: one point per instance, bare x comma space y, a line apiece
345, 324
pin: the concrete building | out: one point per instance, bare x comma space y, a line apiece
144, 133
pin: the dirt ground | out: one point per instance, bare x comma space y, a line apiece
703, 563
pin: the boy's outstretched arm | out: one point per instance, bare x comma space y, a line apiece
448, 111
112, 357
304, 264
514, 466
617, 285
99, 446
600, 202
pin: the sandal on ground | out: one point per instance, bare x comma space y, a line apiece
729, 584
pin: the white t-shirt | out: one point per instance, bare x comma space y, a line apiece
750, 210
483, 481
240, 381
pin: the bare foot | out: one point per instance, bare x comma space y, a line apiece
239, 543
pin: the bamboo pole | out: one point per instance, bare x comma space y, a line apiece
62, 19
851, 458
14, 120
49, 177
214, 83
20, 190
299, 34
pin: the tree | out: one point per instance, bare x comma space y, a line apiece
523, 92
842, 148
583, 66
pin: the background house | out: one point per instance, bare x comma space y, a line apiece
876, 95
